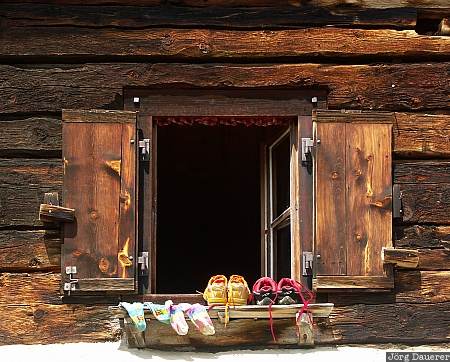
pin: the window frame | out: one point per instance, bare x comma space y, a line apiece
214, 102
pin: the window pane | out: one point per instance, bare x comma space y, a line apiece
283, 252
280, 177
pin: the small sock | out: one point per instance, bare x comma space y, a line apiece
177, 320
201, 320
160, 312
136, 313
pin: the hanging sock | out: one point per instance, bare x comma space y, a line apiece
136, 313
177, 320
160, 312
199, 317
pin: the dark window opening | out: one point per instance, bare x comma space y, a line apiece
208, 213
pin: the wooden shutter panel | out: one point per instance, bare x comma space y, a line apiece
353, 199
99, 153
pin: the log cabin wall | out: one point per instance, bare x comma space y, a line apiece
60, 54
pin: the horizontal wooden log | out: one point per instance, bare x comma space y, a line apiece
332, 283
225, 17
30, 136
83, 86
53, 213
386, 323
45, 324
419, 135
422, 236
426, 203
403, 258
333, 4
415, 135
30, 289
423, 259
106, 284
35, 250
218, 45
411, 286
422, 172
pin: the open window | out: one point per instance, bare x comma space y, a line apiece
196, 183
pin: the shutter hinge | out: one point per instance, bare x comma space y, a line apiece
397, 203
143, 261
71, 284
307, 264
307, 147
144, 149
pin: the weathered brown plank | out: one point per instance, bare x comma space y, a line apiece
422, 286
30, 250
368, 196
422, 172
410, 287
333, 283
23, 183
44, 324
392, 87
223, 17
54, 213
422, 236
93, 190
389, 323
403, 258
399, 323
419, 135
218, 45
330, 195
97, 116
29, 289
34, 135
426, 203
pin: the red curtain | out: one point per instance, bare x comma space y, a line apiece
222, 121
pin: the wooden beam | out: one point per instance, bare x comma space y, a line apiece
97, 116
33, 250
422, 172
52, 213
83, 86
130, 17
105, 284
422, 236
218, 45
45, 324
402, 258
333, 283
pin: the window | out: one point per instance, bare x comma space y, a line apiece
155, 200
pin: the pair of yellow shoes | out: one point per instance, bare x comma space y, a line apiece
221, 291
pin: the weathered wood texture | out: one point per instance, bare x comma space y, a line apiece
422, 172
37, 43
416, 135
23, 183
404, 258
392, 87
99, 183
34, 250
31, 324
422, 236
421, 135
56, 214
172, 16
353, 196
410, 287
371, 4
400, 322
423, 259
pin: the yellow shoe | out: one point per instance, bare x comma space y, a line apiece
237, 290
216, 290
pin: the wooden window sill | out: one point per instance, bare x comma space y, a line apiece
248, 326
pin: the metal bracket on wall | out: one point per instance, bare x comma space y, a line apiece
144, 149
307, 147
71, 285
397, 203
143, 262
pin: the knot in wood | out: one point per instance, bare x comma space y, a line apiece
93, 215
103, 265
38, 314
204, 48
334, 175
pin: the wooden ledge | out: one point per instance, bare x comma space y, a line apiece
50, 211
403, 258
318, 310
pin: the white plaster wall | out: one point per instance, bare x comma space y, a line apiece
115, 352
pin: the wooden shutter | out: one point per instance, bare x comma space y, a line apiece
353, 199
99, 153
